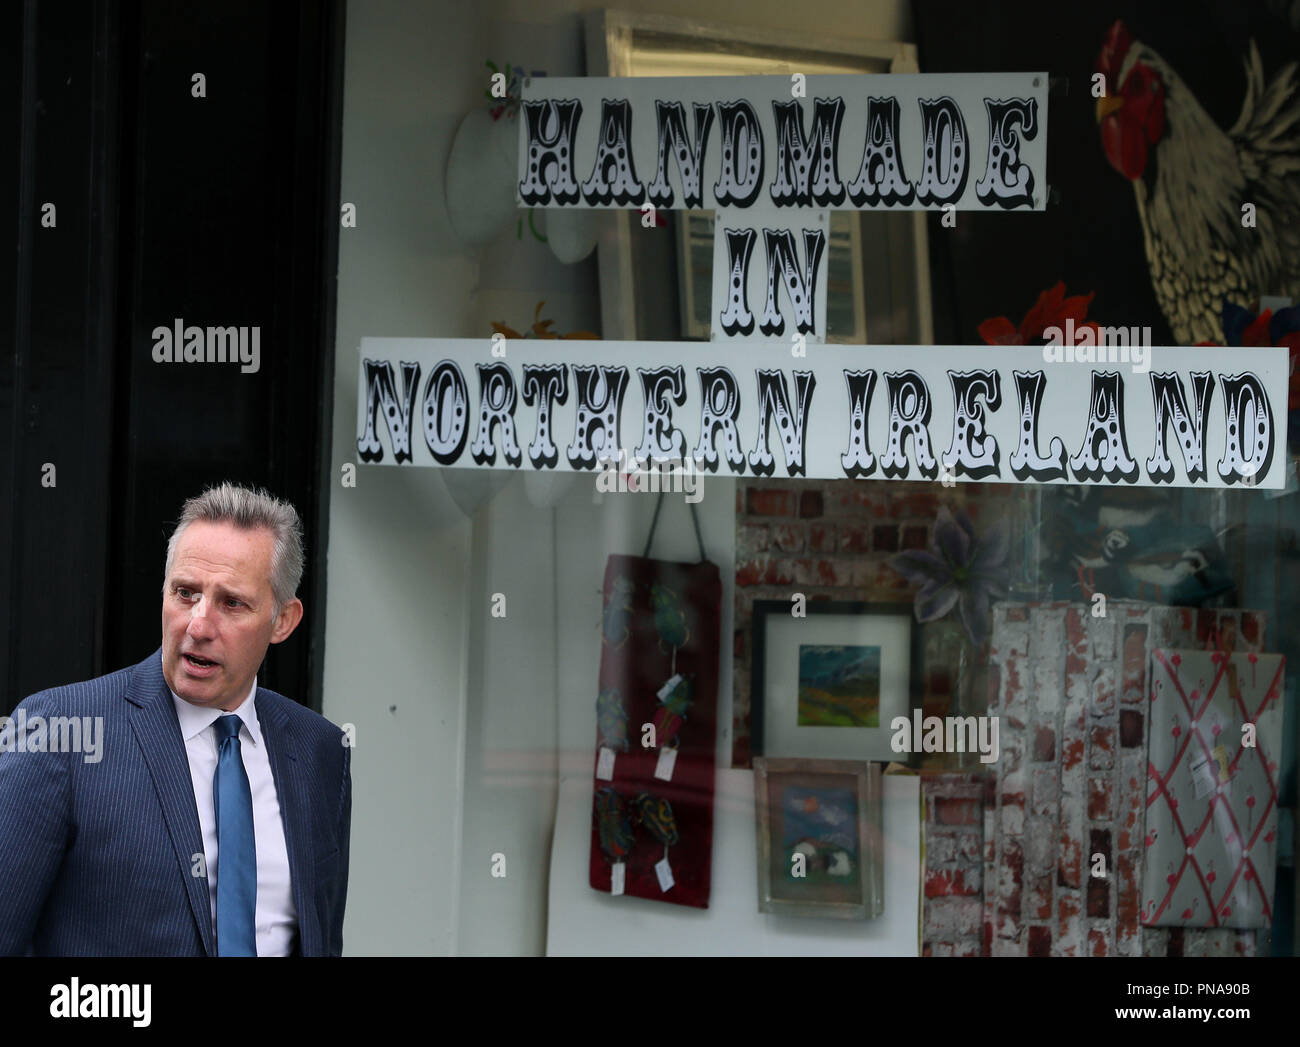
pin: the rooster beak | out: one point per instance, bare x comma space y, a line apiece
1106, 105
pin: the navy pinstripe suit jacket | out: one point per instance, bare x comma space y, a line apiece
98, 859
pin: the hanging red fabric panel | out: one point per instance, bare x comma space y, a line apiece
656, 729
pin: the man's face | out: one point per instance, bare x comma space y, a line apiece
216, 613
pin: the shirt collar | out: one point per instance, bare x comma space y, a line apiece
195, 719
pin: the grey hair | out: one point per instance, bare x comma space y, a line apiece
251, 509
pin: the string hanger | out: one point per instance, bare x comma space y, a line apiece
654, 524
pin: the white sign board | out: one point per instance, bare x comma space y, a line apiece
973, 141
772, 154
1204, 417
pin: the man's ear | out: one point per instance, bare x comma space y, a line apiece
290, 616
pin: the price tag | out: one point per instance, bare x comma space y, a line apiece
665, 873
605, 764
1204, 778
617, 877
667, 688
667, 761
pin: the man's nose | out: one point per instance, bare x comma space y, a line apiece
200, 624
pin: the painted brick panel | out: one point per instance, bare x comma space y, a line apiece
1071, 783
1069, 928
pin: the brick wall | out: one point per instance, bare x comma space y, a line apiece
832, 540
1008, 853
952, 903
1071, 691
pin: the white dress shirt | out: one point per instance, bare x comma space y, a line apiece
276, 918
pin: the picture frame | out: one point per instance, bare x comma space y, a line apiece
820, 839
815, 679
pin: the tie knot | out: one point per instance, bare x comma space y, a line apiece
227, 727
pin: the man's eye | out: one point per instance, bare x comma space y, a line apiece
184, 593
235, 603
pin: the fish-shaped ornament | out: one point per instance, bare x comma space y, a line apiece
670, 620
611, 719
616, 835
656, 814
617, 613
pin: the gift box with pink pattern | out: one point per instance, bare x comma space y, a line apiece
1215, 735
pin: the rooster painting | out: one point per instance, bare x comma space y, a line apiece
1192, 180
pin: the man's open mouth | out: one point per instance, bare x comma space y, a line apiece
201, 663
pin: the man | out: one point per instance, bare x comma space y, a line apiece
212, 816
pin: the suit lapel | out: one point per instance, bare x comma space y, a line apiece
293, 792
158, 733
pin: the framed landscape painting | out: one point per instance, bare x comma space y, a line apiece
827, 684
819, 838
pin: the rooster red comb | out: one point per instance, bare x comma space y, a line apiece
1111, 58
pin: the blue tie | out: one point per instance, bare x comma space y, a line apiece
236, 848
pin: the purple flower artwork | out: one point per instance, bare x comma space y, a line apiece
960, 569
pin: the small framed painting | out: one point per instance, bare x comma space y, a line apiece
827, 685
819, 838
